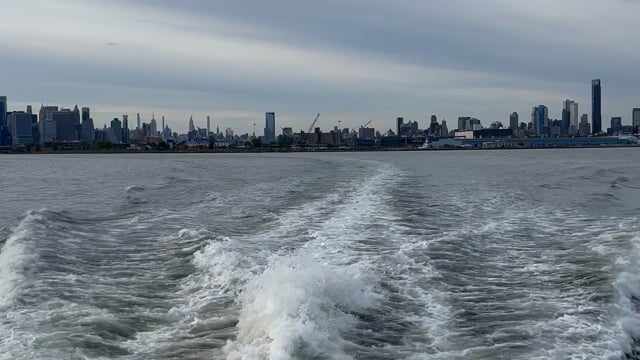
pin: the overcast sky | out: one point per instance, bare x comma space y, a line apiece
350, 60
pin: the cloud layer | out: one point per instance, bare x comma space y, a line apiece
349, 60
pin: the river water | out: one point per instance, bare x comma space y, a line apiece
530, 254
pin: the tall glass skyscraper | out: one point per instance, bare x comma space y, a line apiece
596, 107
270, 127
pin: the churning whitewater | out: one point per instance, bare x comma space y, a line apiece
426, 255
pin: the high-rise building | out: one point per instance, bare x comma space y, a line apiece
86, 114
125, 128
575, 116
596, 107
444, 130
584, 128
463, 122
616, 125
570, 117
208, 126
3, 112
566, 120
513, 121
540, 119
46, 113
116, 128
138, 126
65, 123
153, 127
192, 126
269, 127
399, 122
20, 126
636, 119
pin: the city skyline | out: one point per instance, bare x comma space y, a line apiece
348, 61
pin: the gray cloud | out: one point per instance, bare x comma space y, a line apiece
351, 60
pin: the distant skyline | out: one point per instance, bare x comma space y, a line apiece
349, 60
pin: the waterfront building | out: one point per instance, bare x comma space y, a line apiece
596, 107
270, 127
287, 132
636, 119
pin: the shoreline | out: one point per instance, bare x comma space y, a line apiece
289, 151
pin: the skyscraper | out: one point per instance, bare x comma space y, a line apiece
208, 126
192, 126
125, 129
46, 113
575, 116
270, 127
153, 127
20, 127
138, 124
636, 119
399, 122
65, 123
596, 107
540, 119
584, 127
3, 112
616, 122
86, 114
513, 121
116, 128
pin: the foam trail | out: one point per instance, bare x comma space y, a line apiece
297, 309
14, 260
302, 304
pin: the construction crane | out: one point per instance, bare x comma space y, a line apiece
367, 124
315, 121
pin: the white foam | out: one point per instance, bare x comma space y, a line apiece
14, 257
298, 307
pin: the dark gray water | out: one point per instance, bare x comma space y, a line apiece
433, 255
